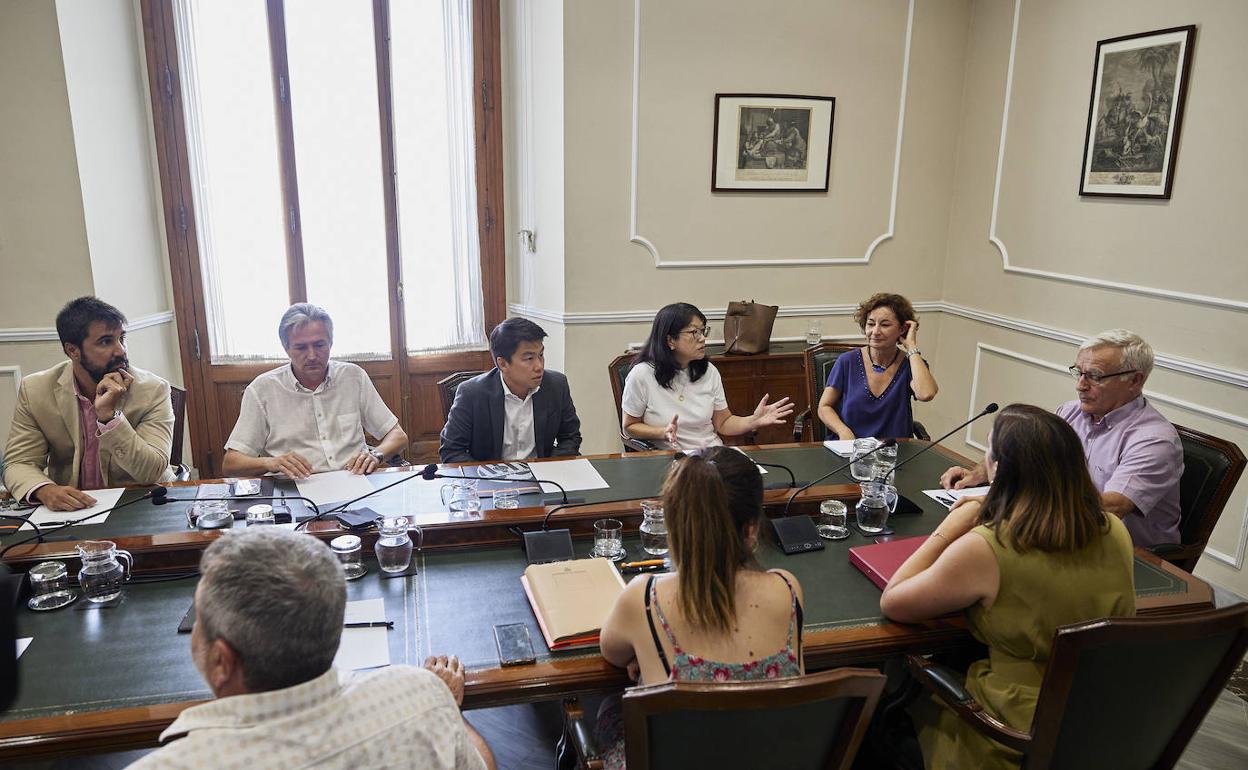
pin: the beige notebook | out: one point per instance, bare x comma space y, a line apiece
572, 599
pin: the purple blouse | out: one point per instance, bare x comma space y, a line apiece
888, 415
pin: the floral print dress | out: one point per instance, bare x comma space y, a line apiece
694, 668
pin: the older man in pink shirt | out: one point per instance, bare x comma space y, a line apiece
1134, 454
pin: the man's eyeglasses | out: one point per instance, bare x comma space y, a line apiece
703, 332
1096, 378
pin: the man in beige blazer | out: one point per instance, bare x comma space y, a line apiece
90, 422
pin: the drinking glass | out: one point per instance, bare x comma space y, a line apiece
49, 586
863, 469
260, 514
814, 332
506, 499
885, 458
831, 521
653, 528
394, 547
212, 514
608, 539
462, 495
347, 549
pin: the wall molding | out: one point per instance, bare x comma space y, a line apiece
1235, 560
48, 333
16, 373
636, 237
1099, 283
1187, 366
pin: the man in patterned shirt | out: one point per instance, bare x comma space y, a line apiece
268, 619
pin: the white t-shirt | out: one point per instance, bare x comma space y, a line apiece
694, 402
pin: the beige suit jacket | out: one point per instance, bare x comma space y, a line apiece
45, 441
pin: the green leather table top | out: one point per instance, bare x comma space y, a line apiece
132, 655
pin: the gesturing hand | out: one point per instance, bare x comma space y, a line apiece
451, 672
669, 433
958, 477
108, 393
292, 464
771, 414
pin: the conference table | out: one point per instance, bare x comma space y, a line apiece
99, 679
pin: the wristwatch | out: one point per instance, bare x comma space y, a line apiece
375, 453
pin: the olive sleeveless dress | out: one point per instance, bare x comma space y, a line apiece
1038, 592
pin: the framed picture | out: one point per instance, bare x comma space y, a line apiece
772, 143
1139, 83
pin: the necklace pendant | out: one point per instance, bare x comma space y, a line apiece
879, 369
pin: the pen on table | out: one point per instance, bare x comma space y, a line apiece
371, 624
643, 563
639, 570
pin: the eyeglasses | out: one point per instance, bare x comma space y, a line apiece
703, 332
1096, 378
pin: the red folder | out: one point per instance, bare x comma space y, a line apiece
880, 561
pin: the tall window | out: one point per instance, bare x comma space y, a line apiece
342, 152
290, 136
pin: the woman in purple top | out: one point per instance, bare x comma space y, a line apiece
869, 390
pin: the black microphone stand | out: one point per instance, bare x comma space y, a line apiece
41, 535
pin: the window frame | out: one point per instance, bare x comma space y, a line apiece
411, 376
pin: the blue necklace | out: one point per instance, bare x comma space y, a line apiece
876, 367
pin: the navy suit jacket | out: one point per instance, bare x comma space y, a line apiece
474, 428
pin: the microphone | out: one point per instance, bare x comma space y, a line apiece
430, 472
151, 493
838, 469
986, 410
785, 468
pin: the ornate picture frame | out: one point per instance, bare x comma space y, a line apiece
1139, 85
772, 143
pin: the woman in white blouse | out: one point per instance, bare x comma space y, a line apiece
674, 394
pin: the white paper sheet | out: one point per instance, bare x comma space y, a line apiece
363, 647
22, 644
844, 448
572, 474
104, 499
947, 497
334, 487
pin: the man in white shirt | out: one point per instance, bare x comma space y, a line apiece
311, 416
268, 619
517, 410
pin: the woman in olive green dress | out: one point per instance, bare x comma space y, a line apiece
1035, 553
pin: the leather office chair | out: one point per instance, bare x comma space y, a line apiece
177, 397
1119, 692
812, 721
618, 370
447, 387
1211, 467
819, 361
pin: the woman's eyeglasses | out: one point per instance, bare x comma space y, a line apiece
704, 332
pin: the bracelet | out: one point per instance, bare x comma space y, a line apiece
915, 352
938, 534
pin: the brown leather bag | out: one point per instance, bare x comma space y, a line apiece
747, 327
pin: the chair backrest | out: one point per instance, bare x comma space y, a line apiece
618, 370
1211, 467
819, 361
814, 721
447, 387
1130, 692
177, 396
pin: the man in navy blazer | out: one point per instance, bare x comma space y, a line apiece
518, 409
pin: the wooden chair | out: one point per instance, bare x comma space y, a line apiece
618, 371
447, 387
1211, 468
819, 361
1120, 692
813, 721
177, 398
